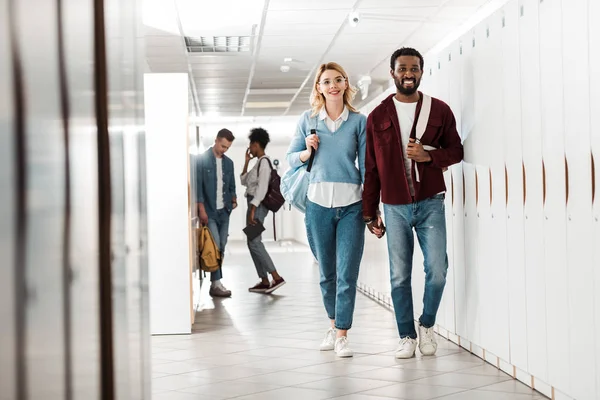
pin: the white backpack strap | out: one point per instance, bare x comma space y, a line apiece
422, 125
423, 116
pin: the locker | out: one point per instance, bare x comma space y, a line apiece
78, 27
456, 261
481, 137
469, 189
532, 161
7, 213
582, 368
515, 246
495, 195
44, 317
554, 191
455, 100
594, 54
473, 298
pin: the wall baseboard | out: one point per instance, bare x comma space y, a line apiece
503, 365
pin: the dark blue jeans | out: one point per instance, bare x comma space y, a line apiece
219, 228
336, 237
428, 219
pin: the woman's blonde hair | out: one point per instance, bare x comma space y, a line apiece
317, 100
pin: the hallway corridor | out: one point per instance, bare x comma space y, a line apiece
265, 347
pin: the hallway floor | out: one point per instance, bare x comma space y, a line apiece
256, 346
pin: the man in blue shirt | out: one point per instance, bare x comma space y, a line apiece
216, 198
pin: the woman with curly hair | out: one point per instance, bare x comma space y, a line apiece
257, 183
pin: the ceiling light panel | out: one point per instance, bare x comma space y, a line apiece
218, 44
311, 5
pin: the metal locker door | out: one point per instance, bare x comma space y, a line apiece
8, 211
45, 347
515, 246
78, 30
468, 184
583, 368
495, 194
458, 223
455, 258
554, 192
594, 48
532, 162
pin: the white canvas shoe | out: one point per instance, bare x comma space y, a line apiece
342, 349
328, 342
427, 341
406, 348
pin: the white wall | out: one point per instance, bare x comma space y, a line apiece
524, 273
289, 223
167, 160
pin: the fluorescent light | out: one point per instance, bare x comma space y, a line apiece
267, 104
273, 91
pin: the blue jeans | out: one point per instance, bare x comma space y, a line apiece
336, 237
428, 219
219, 228
261, 258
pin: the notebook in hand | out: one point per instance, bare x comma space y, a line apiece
252, 231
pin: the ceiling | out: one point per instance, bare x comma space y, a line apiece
301, 34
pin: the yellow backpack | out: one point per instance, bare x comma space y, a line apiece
208, 252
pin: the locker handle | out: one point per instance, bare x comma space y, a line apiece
544, 182
593, 179
524, 183
452, 185
566, 181
476, 189
491, 187
464, 199
506, 183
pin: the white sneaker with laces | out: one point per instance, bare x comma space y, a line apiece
328, 342
406, 348
341, 347
427, 341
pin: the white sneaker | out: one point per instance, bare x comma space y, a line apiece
341, 347
427, 341
406, 348
328, 342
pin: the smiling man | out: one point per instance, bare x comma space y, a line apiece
405, 158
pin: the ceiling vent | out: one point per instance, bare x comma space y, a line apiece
218, 44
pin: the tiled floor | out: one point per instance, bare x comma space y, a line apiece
255, 346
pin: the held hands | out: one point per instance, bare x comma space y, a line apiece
415, 151
376, 227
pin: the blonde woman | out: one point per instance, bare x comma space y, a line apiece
334, 222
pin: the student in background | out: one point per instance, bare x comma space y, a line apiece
216, 198
257, 182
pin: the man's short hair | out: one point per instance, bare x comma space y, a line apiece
226, 134
405, 51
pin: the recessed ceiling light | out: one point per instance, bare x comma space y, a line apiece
287, 59
268, 104
284, 68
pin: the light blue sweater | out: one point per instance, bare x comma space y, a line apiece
335, 160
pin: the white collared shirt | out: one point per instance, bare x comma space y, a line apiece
334, 194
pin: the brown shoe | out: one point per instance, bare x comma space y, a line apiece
259, 288
219, 291
275, 285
